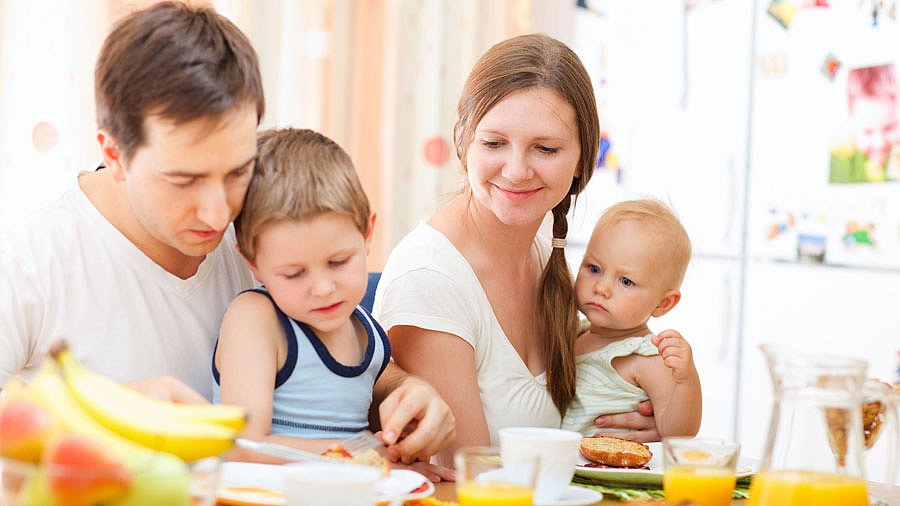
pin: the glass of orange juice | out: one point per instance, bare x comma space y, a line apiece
699, 470
483, 480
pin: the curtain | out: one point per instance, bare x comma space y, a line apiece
381, 77
47, 52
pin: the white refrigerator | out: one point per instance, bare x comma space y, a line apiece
729, 115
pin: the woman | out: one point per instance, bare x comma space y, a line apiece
473, 300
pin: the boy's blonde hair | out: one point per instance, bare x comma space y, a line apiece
299, 174
665, 226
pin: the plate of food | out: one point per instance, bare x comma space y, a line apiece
249, 484
620, 462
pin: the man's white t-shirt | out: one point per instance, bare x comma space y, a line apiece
66, 272
427, 283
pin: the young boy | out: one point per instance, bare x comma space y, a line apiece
632, 271
299, 353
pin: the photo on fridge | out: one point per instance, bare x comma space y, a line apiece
868, 148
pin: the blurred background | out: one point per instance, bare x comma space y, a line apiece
736, 112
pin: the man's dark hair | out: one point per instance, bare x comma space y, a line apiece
176, 61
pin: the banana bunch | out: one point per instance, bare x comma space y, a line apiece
82, 463
191, 432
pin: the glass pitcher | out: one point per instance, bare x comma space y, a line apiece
814, 449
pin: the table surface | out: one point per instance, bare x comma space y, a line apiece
446, 491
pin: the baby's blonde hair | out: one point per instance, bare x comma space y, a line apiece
664, 224
299, 175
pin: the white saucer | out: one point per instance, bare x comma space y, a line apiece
574, 496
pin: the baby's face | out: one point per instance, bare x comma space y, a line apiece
315, 269
623, 276
875, 127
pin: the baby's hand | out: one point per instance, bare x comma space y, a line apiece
676, 354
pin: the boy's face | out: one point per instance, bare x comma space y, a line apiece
623, 277
875, 127
315, 269
187, 182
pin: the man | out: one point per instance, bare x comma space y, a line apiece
136, 264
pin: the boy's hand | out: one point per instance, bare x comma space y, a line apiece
677, 355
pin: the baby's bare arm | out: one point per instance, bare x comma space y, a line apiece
672, 382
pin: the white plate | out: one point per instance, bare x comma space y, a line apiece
653, 476
574, 496
248, 484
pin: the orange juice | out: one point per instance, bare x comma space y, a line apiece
706, 486
493, 494
807, 488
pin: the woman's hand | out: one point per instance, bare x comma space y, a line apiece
641, 424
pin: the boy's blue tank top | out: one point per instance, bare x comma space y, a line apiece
315, 396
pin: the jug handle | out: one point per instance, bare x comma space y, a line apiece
892, 410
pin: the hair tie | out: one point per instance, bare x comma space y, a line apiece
558, 243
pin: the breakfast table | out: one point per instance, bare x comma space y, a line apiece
446, 491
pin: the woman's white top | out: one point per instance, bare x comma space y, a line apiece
428, 284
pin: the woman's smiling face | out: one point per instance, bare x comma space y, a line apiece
524, 155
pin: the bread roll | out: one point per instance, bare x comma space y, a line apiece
615, 452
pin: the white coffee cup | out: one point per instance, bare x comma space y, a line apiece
556, 449
330, 484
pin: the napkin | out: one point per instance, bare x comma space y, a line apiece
741, 490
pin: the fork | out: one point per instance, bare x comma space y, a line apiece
355, 445
360, 442
280, 451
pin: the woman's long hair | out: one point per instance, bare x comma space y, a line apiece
539, 61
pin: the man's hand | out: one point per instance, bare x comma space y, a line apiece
167, 388
415, 404
677, 355
641, 423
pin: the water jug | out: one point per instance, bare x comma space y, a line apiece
814, 453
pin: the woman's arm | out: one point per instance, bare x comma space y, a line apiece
448, 363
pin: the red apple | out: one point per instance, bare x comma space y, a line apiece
25, 429
81, 472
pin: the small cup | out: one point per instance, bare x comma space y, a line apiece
483, 478
330, 484
556, 450
699, 470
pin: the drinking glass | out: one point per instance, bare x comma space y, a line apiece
483, 480
699, 470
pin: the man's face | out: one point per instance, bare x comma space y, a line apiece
187, 182
875, 127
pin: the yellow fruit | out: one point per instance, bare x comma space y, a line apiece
36, 491
156, 478
80, 472
26, 428
129, 414
81, 378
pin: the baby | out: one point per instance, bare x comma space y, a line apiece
299, 352
632, 271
